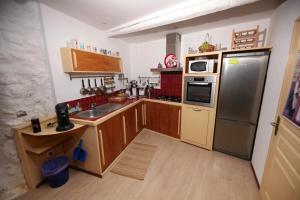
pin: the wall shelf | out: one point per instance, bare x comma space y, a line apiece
48, 145
177, 69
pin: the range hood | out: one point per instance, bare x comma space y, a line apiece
173, 45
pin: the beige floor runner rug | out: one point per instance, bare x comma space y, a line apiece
135, 161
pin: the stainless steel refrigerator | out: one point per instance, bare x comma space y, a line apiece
240, 95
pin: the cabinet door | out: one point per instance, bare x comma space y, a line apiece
152, 116
111, 138
129, 120
88, 61
139, 117
169, 120
194, 127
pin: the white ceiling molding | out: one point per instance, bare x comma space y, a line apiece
180, 12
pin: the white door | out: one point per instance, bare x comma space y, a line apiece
281, 178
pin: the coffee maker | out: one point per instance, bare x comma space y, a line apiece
63, 120
134, 89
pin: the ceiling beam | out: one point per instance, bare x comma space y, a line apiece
180, 12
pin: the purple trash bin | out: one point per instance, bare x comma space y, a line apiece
56, 170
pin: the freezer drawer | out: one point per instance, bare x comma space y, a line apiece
234, 138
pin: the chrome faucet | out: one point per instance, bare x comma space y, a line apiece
93, 105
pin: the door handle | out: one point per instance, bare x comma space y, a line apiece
276, 125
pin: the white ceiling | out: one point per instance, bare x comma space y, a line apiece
107, 14
127, 18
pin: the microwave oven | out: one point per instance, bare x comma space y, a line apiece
201, 66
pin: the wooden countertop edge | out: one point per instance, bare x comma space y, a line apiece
52, 132
83, 122
28, 124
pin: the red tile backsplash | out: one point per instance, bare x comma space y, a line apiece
171, 84
86, 102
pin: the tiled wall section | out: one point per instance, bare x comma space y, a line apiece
171, 84
86, 102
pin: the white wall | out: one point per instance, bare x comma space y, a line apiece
281, 27
58, 29
219, 35
146, 55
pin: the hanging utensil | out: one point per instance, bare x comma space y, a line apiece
83, 90
89, 88
102, 87
96, 88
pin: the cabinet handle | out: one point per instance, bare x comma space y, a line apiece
101, 145
74, 60
124, 129
145, 113
197, 109
179, 122
136, 120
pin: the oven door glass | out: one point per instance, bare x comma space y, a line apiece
199, 92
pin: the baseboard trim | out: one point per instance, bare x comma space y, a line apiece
256, 180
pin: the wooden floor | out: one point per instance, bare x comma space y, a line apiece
177, 171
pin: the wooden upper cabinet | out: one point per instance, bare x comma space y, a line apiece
111, 139
80, 61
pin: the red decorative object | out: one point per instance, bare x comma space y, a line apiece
170, 61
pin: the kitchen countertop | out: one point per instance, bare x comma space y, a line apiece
127, 104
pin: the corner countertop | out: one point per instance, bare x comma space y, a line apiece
127, 104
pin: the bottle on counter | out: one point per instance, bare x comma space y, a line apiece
36, 126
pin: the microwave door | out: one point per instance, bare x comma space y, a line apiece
198, 66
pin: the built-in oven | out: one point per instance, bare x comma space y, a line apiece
199, 90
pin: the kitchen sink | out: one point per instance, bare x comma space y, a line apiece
99, 111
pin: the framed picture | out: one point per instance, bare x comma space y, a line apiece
292, 108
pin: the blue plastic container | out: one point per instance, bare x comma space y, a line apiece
56, 170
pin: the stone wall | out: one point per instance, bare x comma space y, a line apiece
25, 83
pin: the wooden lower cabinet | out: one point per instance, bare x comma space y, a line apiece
197, 126
139, 116
129, 123
163, 118
111, 138
152, 116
